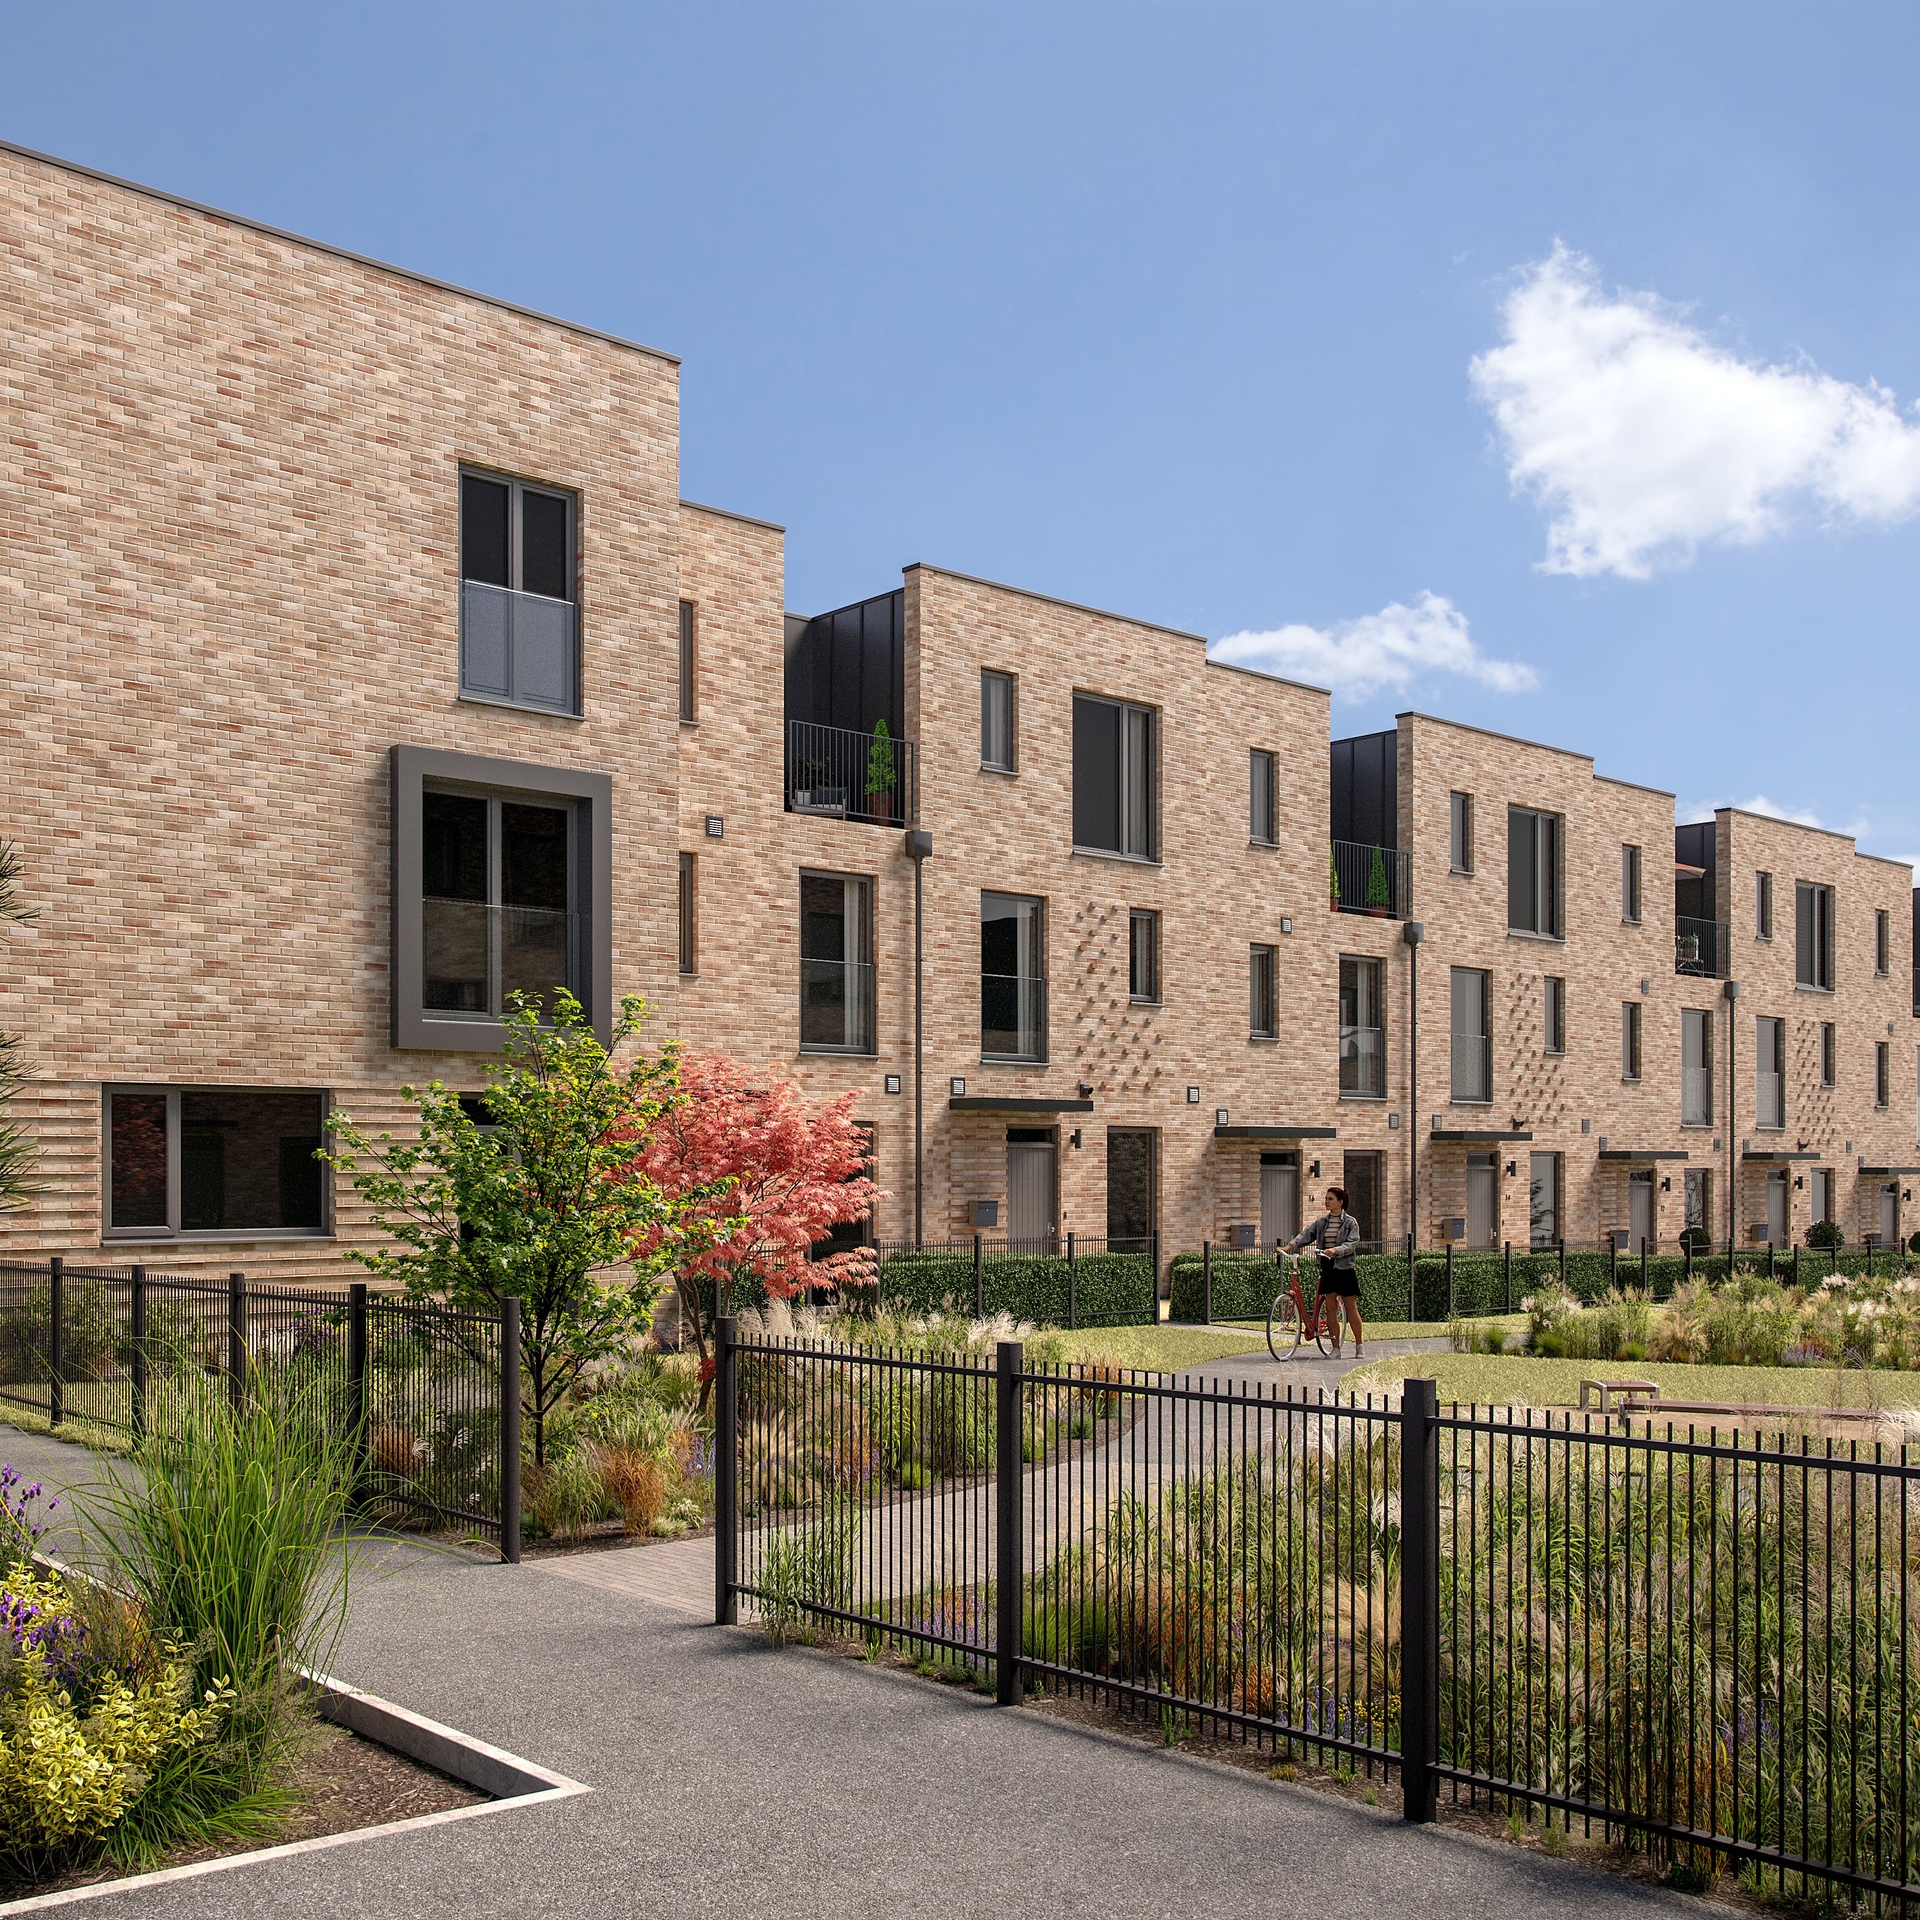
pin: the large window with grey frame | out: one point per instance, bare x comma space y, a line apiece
836, 963
1813, 935
1113, 777
1769, 1073
1696, 1067
1263, 812
1013, 983
1363, 1029
689, 663
1472, 1057
188, 1161
1534, 859
1260, 995
1543, 1201
519, 638
998, 726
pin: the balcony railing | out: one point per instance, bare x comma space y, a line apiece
1364, 878
1471, 1075
852, 776
836, 1006
1700, 947
1363, 1060
1769, 1100
518, 647
1696, 1096
474, 955
1013, 1017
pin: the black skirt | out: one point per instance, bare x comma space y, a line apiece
1344, 1281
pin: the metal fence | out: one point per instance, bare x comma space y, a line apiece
1695, 1642
432, 1398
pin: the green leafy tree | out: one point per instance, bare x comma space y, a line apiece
539, 1195
1377, 894
18, 1159
881, 774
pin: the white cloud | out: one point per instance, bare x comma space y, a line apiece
1701, 809
1643, 439
1391, 648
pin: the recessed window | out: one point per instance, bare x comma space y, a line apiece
996, 721
1630, 1040
1821, 1188
1882, 942
1471, 1077
1460, 832
1813, 935
1143, 954
1543, 1200
1554, 1014
1363, 1029
1696, 1067
1013, 984
1697, 1203
1260, 1005
1630, 885
184, 1161
1533, 871
688, 677
689, 953
1113, 777
836, 963
1263, 823
1769, 1073
519, 644
1829, 1054
1763, 906
1882, 1072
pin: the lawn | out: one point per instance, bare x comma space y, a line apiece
1162, 1349
1392, 1329
1502, 1379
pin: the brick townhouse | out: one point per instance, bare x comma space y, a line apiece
364, 664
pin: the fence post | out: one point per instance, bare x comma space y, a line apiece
510, 1430
137, 1357
979, 1282
357, 1385
1686, 1257
1206, 1283
1153, 1296
1645, 1285
1073, 1298
237, 1339
1613, 1262
56, 1340
1008, 1579
1769, 1259
1509, 1247
1563, 1263
1419, 1596
1796, 1265
1449, 1279
726, 1469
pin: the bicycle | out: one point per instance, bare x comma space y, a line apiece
1287, 1317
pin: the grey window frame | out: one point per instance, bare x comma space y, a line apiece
1630, 877
1149, 919
1882, 942
1767, 1027
1460, 833
517, 490
992, 681
1813, 935
1547, 861
1459, 1091
1829, 1054
1129, 776
198, 1236
1882, 1074
410, 770
1263, 965
868, 1044
1553, 1013
1820, 1195
1375, 970
1701, 1114
1042, 939
688, 668
1632, 1034
689, 915
1762, 906
1557, 1179
1263, 797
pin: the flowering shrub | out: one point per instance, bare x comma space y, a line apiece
19, 1531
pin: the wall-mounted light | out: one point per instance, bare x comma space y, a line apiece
1086, 1092
1193, 1096
957, 1087
1513, 1167
1073, 1139
1219, 1116
1313, 1172
893, 1083
1666, 1185
716, 827
1798, 1183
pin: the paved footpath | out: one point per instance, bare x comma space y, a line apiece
731, 1778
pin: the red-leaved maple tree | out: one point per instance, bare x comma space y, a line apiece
797, 1173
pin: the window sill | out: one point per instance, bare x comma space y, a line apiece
1107, 853
1144, 1000
1265, 846
1462, 1100
1460, 873
1367, 1099
1546, 939
1696, 1126
685, 722
1632, 1080
218, 1237
1014, 1060
1263, 1039
1007, 773
839, 1053
1553, 1053
1801, 986
519, 706
1626, 922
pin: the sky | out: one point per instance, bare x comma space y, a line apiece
1546, 367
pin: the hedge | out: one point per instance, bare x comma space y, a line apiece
1107, 1289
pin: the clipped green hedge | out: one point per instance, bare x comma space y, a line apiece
1108, 1289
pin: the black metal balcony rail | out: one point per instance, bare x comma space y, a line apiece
1365, 878
844, 775
836, 1006
1700, 947
1013, 1017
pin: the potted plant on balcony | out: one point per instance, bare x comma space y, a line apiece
1379, 900
1333, 883
881, 772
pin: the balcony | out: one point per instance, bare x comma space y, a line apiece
1700, 947
474, 955
1363, 1061
842, 775
836, 1006
518, 648
1363, 878
1013, 1017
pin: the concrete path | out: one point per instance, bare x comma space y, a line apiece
735, 1779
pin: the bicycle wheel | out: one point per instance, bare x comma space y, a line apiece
1283, 1326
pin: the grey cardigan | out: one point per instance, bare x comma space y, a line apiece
1336, 1236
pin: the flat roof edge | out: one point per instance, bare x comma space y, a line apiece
1052, 600
1487, 733
1800, 826
727, 513
1277, 679
327, 246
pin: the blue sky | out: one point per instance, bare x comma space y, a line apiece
1550, 367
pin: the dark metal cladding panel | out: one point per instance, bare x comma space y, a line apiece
1365, 788
847, 668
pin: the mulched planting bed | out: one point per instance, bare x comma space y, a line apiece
344, 1784
605, 1534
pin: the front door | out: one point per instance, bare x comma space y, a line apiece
1640, 1211
1890, 1214
1483, 1199
1033, 1210
1131, 1216
1779, 1205
1279, 1198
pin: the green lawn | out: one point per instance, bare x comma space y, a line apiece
1502, 1379
1388, 1329
1162, 1349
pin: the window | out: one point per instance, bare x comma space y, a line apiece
214, 1160
1696, 1068
688, 683
1113, 798
1543, 1205
1813, 935
1882, 1072
1363, 1037
1698, 1202
1262, 814
1013, 987
1822, 1195
1881, 942
1630, 1040
1829, 1054
1460, 832
502, 878
1132, 1168
1630, 885
1763, 906
518, 645
1362, 1174
1533, 871
1554, 1015
836, 964
996, 721
1472, 1077
688, 952
1769, 1073
1143, 954
1260, 992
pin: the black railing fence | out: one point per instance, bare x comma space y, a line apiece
1693, 1641
432, 1397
